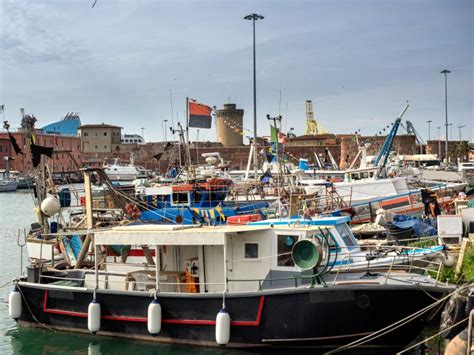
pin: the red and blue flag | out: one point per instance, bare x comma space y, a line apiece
199, 115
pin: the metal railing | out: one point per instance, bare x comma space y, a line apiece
400, 268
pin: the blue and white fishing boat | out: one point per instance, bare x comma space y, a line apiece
201, 202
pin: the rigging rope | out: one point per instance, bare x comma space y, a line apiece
393, 326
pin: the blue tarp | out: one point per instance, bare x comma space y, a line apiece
421, 227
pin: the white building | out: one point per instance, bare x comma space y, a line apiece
132, 139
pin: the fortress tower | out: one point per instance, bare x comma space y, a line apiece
229, 126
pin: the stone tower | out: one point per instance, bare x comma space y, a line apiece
229, 123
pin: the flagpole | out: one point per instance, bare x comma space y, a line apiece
187, 120
172, 112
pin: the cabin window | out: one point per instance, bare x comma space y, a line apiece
371, 174
180, 197
285, 245
346, 235
251, 251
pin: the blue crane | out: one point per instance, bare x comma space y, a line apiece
382, 157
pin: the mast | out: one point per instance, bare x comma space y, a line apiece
187, 119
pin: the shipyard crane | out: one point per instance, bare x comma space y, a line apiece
313, 127
410, 129
382, 157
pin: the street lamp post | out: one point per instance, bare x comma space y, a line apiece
446, 72
166, 130
439, 142
451, 131
460, 135
429, 129
143, 134
253, 18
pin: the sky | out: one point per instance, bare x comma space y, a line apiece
120, 62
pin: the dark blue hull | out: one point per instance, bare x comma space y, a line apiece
192, 215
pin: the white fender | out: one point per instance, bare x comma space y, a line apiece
50, 206
93, 316
449, 260
14, 304
154, 317
222, 327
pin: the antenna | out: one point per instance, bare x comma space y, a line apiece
460, 135
172, 112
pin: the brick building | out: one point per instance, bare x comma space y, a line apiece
60, 161
434, 147
312, 140
5, 152
100, 138
402, 144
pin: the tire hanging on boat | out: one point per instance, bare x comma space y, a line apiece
454, 311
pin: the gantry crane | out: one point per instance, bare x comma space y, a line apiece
313, 127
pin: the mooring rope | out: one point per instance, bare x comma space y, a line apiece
31, 312
393, 326
433, 336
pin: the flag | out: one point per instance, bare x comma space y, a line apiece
37, 151
167, 147
199, 115
14, 144
281, 136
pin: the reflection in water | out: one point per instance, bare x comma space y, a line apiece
27, 340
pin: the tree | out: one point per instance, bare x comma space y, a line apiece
459, 150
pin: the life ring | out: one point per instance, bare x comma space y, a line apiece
454, 311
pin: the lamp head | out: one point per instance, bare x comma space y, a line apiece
254, 17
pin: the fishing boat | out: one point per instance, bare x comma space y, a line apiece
128, 172
7, 184
236, 286
202, 201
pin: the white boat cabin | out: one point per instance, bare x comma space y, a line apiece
191, 258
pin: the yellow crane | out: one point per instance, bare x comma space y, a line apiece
313, 127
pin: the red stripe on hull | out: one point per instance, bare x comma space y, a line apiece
237, 323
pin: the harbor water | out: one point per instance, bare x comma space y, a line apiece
16, 213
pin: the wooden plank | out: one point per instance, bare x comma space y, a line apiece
465, 243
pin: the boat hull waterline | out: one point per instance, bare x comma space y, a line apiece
319, 317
